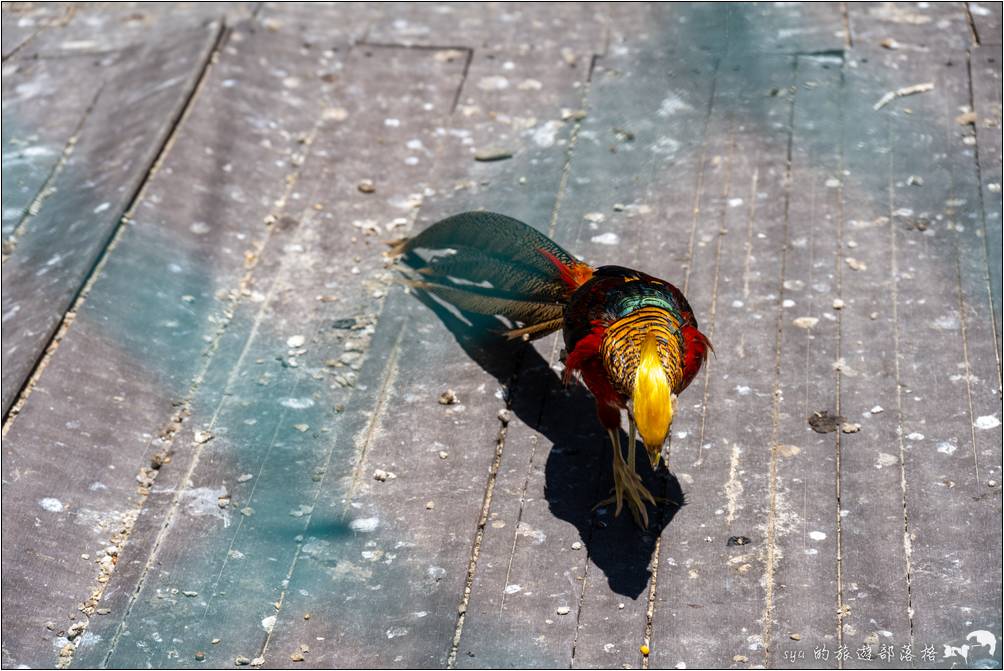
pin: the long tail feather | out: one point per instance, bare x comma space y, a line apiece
492, 264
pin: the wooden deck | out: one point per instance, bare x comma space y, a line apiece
206, 357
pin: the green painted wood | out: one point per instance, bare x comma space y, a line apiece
118, 143
274, 419
104, 404
985, 73
33, 144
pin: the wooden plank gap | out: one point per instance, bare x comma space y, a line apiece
11, 243
894, 270
174, 124
987, 234
771, 557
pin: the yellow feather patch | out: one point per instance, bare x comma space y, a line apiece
652, 397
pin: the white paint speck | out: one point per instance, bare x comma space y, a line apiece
886, 459
545, 135
987, 422
494, 83
606, 239
672, 104
298, 403
915, 436
268, 622
101, 208
817, 535
947, 448
735, 202
365, 524
513, 589
51, 504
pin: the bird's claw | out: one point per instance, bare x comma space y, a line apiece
627, 481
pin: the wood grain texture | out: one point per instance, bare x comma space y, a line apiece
33, 145
948, 459
985, 73
874, 588
118, 143
194, 475
804, 462
937, 27
106, 402
426, 549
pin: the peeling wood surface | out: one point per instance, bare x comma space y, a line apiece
225, 444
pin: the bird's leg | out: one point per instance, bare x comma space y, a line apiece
627, 481
615, 440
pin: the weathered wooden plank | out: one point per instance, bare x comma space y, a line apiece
660, 137
874, 589
116, 148
22, 21
713, 599
987, 21
100, 29
104, 405
805, 592
950, 451
985, 72
426, 572
240, 572
815, 27
34, 144
332, 23
895, 25
937, 26
578, 29
503, 627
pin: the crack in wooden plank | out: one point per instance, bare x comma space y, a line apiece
500, 442
996, 327
695, 209
726, 192
208, 357
838, 445
771, 550
894, 270
91, 276
47, 189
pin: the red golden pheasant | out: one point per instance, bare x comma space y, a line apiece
631, 337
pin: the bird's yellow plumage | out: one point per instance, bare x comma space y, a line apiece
652, 398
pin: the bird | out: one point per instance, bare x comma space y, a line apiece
631, 338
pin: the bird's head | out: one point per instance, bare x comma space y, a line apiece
652, 399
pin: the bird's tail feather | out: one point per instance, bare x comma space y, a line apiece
492, 264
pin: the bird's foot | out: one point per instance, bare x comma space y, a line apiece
628, 484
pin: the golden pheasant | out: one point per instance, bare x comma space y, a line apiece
631, 337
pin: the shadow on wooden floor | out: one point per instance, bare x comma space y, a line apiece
578, 471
